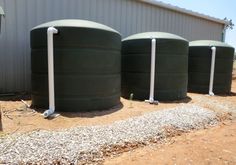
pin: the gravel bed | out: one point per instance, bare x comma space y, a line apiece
85, 144
217, 105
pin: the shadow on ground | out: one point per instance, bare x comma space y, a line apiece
185, 100
227, 95
15, 96
90, 114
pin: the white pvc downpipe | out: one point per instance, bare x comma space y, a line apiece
224, 33
50, 32
213, 57
152, 73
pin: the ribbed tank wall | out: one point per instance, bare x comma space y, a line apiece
170, 72
86, 65
200, 65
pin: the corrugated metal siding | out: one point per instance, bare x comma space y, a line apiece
126, 16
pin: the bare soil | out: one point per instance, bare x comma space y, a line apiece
210, 146
17, 118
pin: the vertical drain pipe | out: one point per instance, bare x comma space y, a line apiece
50, 32
213, 57
152, 74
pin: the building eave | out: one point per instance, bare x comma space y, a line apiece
185, 11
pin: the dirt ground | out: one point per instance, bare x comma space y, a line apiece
216, 145
18, 118
210, 146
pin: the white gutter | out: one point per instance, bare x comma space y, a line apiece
152, 74
185, 11
213, 56
1, 15
50, 32
1, 11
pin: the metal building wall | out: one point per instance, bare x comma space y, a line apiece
126, 16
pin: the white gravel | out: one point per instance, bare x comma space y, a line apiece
83, 144
211, 102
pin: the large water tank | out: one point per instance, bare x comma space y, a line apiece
200, 54
171, 71
87, 66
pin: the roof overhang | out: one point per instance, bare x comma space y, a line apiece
185, 11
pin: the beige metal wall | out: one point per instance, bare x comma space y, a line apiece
126, 16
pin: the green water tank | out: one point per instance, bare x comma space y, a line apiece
171, 71
200, 54
87, 66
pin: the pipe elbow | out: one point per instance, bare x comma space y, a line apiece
52, 30
48, 113
213, 48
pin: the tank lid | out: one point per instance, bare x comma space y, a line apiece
208, 43
76, 23
157, 35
